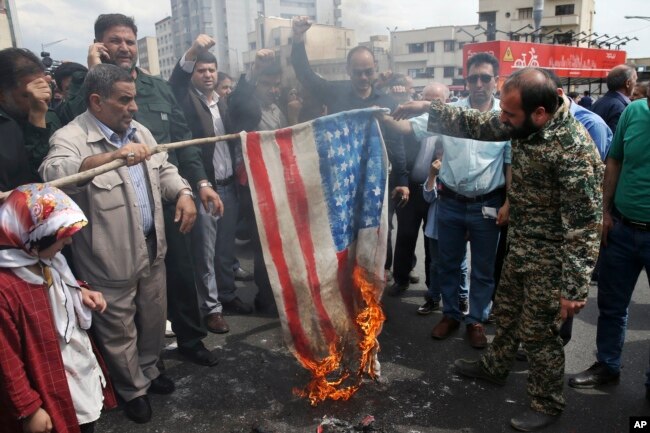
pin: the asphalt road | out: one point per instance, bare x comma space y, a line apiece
251, 388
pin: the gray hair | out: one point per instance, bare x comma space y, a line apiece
101, 78
618, 76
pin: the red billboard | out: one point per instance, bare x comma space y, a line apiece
565, 61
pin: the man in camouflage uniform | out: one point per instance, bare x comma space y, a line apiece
555, 217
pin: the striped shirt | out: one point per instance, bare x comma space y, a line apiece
137, 173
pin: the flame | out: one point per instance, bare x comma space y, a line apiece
369, 322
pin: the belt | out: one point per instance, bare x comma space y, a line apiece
443, 190
224, 182
638, 225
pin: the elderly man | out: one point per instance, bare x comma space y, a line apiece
25, 122
122, 253
555, 219
115, 43
620, 85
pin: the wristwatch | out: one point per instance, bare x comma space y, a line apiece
185, 191
204, 184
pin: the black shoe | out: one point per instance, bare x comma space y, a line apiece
597, 374
397, 289
413, 279
474, 370
428, 307
266, 308
162, 385
243, 275
463, 305
199, 355
138, 410
237, 306
532, 420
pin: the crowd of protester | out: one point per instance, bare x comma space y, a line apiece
525, 182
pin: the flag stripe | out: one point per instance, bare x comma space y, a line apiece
266, 206
297, 196
345, 283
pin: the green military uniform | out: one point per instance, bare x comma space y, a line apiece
161, 114
554, 233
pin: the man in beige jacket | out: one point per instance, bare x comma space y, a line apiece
121, 252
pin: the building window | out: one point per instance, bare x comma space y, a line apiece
416, 48
564, 10
461, 45
526, 14
449, 72
449, 45
460, 72
277, 42
429, 72
431, 47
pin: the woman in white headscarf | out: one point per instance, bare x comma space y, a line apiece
50, 377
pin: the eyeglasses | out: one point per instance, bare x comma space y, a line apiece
473, 79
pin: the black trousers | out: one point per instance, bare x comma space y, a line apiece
182, 304
410, 220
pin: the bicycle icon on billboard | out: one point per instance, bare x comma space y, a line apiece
521, 63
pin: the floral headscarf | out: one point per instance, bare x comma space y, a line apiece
30, 214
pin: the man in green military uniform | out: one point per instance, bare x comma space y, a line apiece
116, 43
555, 219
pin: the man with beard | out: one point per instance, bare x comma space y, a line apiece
555, 219
25, 121
116, 43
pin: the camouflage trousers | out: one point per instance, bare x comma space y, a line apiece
527, 311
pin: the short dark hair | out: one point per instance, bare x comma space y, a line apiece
107, 21
618, 76
270, 69
358, 49
206, 57
65, 70
586, 93
222, 76
533, 91
101, 78
16, 63
480, 58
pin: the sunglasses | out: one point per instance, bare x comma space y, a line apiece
473, 79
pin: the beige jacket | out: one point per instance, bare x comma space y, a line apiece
111, 251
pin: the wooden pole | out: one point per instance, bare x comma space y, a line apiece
113, 165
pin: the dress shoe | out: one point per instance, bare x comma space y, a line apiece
216, 324
397, 289
413, 279
243, 275
474, 370
199, 355
162, 385
138, 410
532, 420
476, 336
445, 327
237, 306
597, 374
266, 308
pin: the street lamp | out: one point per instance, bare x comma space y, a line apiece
45, 56
392, 47
460, 29
635, 17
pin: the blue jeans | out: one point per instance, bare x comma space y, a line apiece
213, 244
455, 219
621, 262
433, 288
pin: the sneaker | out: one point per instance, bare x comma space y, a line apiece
463, 305
413, 279
428, 307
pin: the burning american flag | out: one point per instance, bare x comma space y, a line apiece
319, 192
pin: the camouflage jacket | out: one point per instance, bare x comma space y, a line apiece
556, 190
